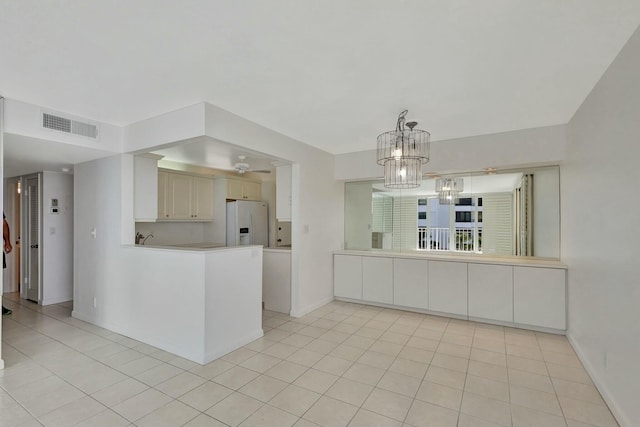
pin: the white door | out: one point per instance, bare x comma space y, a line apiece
32, 279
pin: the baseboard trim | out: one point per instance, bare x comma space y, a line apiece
236, 345
58, 300
597, 381
308, 309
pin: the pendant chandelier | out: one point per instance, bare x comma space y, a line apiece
449, 190
402, 152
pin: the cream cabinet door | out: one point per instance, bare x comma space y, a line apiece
180, 196
235, 189
347, 276
377, 279
145, 189
539, 297
491, 292
202, 198
410, 283
283, 193
448, 287
252, 191
163, 188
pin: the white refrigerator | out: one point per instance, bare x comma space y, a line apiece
247, 223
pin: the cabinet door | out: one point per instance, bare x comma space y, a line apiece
252, 191
145, 188
491, 291
347, 276
235, 189
410, 283
448, 287
163, 189
283, 193
276, 281
539, 297
202, 200
377, 279
180, 196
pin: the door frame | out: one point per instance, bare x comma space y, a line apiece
24, 234
14, 213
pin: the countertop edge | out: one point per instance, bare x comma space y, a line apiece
546, 263
186, 249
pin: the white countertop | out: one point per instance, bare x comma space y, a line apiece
193, 247
473, 258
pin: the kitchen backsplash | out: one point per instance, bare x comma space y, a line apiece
167, 233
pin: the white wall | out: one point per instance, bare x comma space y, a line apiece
26, 120
98, 205
164, 129
599, 243
528, 147
57, 238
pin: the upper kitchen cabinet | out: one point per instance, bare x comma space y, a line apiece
146, 187
240, 189
283, 193
202, 198
184, 197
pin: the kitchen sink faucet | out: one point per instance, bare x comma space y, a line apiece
141, 238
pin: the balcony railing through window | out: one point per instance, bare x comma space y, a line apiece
440, 239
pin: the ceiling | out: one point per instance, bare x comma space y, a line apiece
333, 74
208, 152
24, 155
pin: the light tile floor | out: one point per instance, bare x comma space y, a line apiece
344, 364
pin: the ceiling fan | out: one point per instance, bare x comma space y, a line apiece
242, 167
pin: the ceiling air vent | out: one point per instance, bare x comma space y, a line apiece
63, 124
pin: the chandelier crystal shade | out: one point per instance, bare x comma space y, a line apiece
449, 190
402, 153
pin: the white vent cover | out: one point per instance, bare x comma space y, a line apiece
63, 124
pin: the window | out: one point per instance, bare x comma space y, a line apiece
465, 201
463, 216
422, 215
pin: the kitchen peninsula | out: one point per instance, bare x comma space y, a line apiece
198, 303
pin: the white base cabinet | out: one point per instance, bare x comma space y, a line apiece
276, 280
539, 297
347, 276
497, 292
448, 287
410, 283
377, 280
491, 292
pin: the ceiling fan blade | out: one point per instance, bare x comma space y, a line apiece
260, 171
